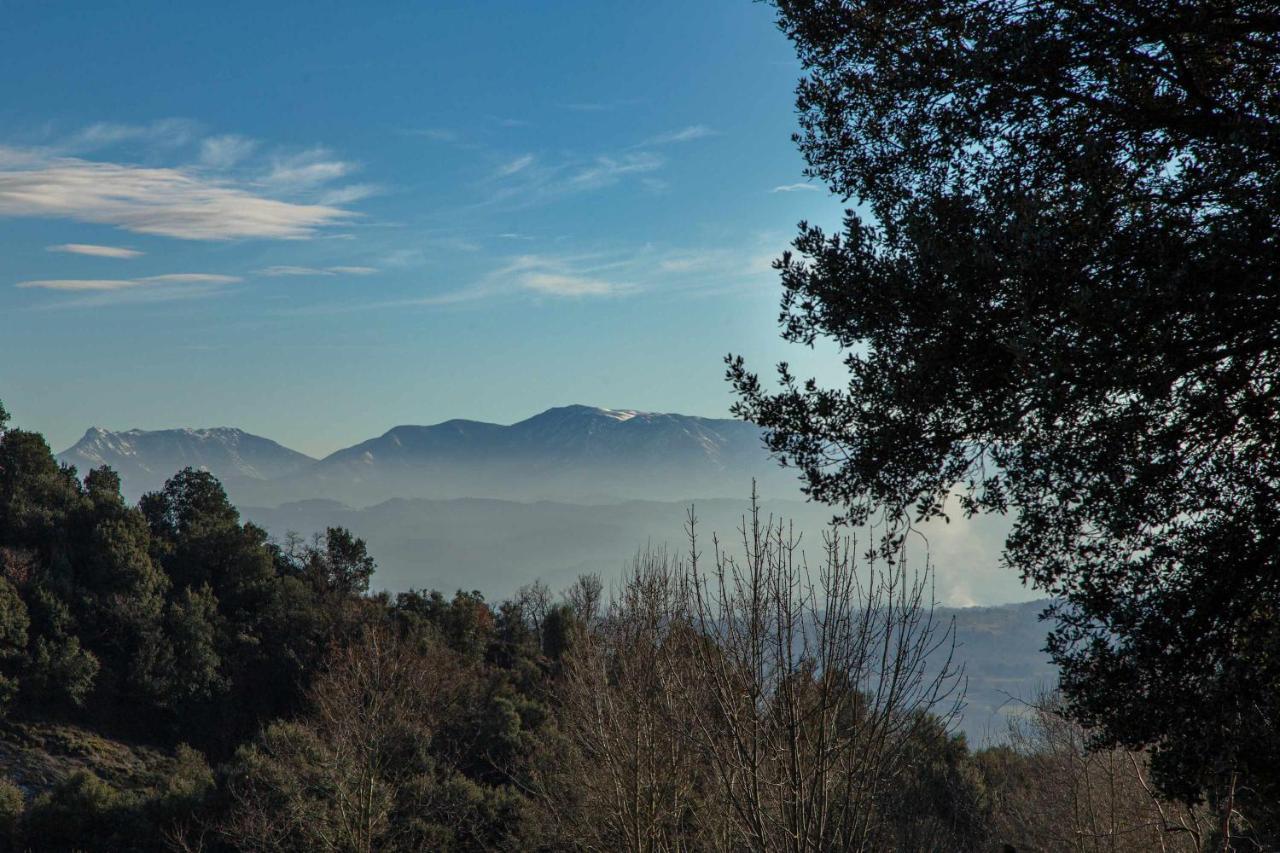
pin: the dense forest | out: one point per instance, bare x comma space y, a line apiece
703, 702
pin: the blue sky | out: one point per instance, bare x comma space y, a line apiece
315, 221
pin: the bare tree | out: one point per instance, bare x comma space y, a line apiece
815, 683
1061, 795
586, 597
754, 704
534, 601
636, 779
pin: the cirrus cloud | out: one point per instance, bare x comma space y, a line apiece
685, 134
169, 202
93, 250
559, 284
796, 188
76, 285
282, 270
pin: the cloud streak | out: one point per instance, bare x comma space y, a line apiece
170, 202
79, 285
796, 188
285, 270
165, 133
223, 152
307, 169
687, 134
606, 171
94, 251
517, 165
559, 284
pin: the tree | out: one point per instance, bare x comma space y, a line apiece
759, 704
1050, 792
813, 684
338, 563
13, 641
366, 769
632, 779
62, 673
1059, 299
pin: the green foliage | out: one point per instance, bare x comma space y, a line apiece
942, 802
13, 640
1059, 299
193, 668
559, 629
377, 763
82, 812
12, 807
62, 673
465, 623
344, 567
37, 496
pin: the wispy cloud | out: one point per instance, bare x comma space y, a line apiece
529, 180
153, 295
307, 169
598, 106
435, 134
687, 134
164, 133
94, 251
109, 284
287, 270
519, 164
225, 151
548, 275
171, 202
605, 171
349, 194
796, 188
559, 284
531, 275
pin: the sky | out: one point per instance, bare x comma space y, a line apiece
315, 221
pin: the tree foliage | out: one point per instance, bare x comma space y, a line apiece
1058, 297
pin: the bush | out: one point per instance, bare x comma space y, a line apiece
81, 812
12, 804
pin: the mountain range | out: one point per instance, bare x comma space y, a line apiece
576, 489
578, 453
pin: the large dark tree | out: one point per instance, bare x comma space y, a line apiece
1058, 298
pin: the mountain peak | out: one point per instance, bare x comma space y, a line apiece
144, 459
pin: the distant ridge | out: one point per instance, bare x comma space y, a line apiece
144, 459
581, 453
